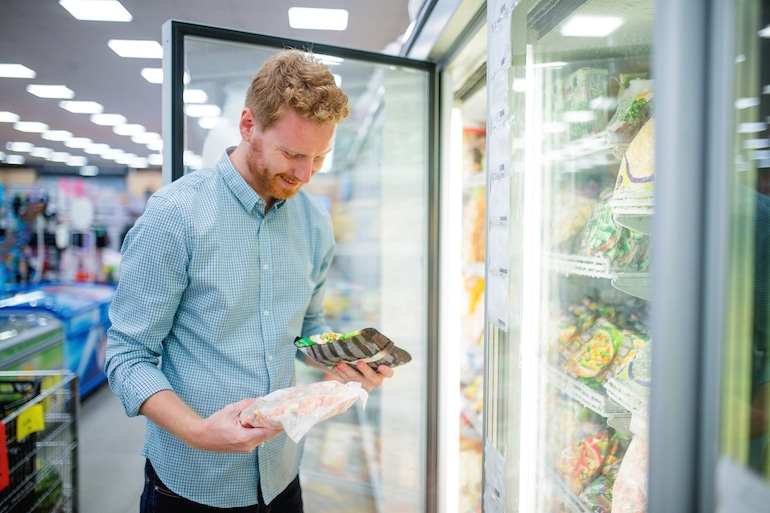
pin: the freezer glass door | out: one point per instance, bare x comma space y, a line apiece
744, 462
571, 195
377, 188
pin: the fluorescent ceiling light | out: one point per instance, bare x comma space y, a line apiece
15, 159
145, 137
59, 156
56, 135
591, 26
16, 71
96, 148
128, 129
78, 142
8, 117
765, 32
195, 96
41, 152
96, 10
125, 158
202, 111
77, 161
155, 159
108, 119
318, 19
50, 91
136, 49
81, 107
155, 145
112, 154
30, 126
22, 147
153, 75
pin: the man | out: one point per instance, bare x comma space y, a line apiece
224, 269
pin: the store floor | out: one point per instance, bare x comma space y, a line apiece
110, 463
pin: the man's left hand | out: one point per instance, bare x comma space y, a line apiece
361, 372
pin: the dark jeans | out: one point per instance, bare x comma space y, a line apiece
156, 498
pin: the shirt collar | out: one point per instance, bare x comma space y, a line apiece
247, 197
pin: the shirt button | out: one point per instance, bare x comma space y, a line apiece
265, 313
264, 266
270, 358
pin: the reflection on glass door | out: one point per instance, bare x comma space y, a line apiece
376, 186
745, 433
569, 360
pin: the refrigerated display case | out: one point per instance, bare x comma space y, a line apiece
627, 293
31, 341
83, 311
571, 135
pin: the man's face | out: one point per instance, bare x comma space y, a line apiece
284, 157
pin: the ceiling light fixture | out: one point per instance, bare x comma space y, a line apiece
16, 71
591, 26
30, 126
195, 96
96, 148
15, 159
78, 142
96, 10
318, 19
128, 129
108, 119
21, 147
152, 75
145, 137
59, 156
8, 117
56, 135
77, 161
81, 107
40, 152
50, 91
136, 49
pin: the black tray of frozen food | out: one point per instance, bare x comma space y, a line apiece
368, 345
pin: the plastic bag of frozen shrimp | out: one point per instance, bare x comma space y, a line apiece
297, 409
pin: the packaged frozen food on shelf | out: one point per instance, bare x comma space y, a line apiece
634, 108
473, 308
626, 250
637, 168
630, 386
575, 101
597, 495
629, 493
582, 461
474, 227
632, 203
474, 150
571, 421
571, 211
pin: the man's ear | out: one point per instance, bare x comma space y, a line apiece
247, 124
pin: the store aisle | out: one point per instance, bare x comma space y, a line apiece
110, 463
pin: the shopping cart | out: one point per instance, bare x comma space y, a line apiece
38, 441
